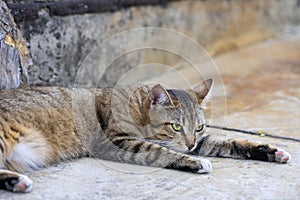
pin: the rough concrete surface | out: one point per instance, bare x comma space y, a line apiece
263, 93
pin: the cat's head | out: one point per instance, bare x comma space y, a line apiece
179, 116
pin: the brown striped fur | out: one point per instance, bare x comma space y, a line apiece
40, 126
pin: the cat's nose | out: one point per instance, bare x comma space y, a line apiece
191, 146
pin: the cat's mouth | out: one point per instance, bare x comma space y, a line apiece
192, 148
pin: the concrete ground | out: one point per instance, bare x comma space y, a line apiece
263, 93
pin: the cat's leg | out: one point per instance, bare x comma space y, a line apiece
136, 151
25, 153
242, 149
10, 180
14, 182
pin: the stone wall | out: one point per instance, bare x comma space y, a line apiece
59, 44
14, 56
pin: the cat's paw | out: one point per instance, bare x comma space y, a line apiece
205, 166
19, 184
282, 156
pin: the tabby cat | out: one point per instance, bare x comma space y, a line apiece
41, 126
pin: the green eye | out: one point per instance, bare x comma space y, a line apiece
200, 128
176, 127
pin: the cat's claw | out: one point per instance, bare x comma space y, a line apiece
22, 184
282, 156
205, 166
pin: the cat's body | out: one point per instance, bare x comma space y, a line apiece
144, 125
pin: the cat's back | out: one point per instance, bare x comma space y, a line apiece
35, 107
34, 97
59, 117
47, 103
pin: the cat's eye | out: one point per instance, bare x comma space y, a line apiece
200, 128
176, 127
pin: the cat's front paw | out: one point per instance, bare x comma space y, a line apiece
282, 156
205, 166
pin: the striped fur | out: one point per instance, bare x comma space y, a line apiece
152, 126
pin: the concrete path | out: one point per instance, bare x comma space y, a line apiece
263, 93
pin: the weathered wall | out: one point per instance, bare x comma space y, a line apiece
14, 56
58, 44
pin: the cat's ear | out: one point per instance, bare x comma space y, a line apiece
159, 95
201, 90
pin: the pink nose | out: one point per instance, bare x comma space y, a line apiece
191, 146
